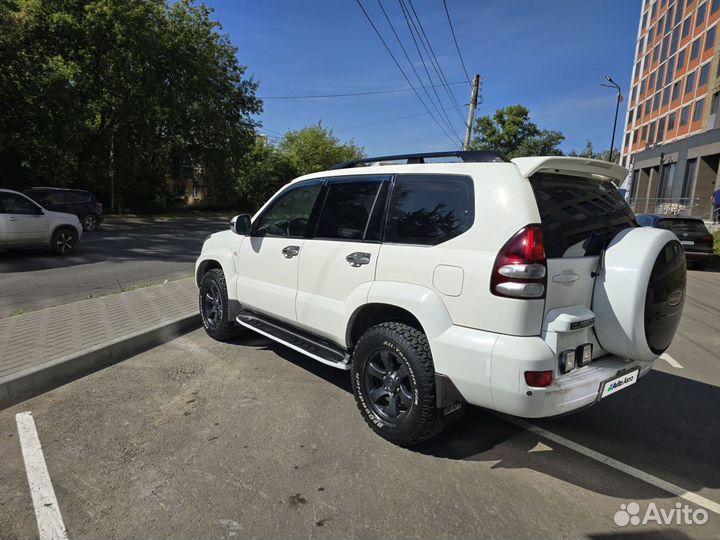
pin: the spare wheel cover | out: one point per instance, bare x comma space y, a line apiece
639, 296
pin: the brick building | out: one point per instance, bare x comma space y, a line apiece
672, 127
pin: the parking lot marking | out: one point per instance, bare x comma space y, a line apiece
689, 496
670, 360
47, 511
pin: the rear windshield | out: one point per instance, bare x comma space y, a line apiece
579, 216
682, 225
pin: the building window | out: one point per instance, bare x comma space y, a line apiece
715, 6
681, 59
660, 77
651, 134
704, 74
690, 83
668, 20
678, 14
714, 102
664, 51
690, 167
685, 115
695, 49
636, 133
676, 91
710, 39
700, 14
660, 129
674, 42
644, 20
650, 35
651, 82
656, 102
646, 64
670, 71
666, 96
656, 53
642, 86
686, 27
697, 114
644, 132
653, 10
671, 121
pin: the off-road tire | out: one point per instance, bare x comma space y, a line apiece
410, 347
217, 325
64, 240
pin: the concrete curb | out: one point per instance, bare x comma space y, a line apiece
44, 377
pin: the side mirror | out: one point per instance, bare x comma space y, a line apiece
240, 224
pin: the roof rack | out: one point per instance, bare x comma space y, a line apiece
468, 156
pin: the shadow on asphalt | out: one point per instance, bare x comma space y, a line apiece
122, 241
665, 426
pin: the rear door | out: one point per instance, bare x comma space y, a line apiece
342, 254
579, 217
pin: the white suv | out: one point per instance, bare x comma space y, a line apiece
24, 223
524, 287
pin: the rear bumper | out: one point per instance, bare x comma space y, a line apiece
698, 255
488, 370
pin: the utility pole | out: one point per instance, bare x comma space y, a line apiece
471, 111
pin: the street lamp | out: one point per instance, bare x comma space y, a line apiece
615, 85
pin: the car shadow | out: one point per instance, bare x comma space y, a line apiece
122, 241
665, 426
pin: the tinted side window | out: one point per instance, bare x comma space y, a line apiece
347, 209
10, 203
289, 214
429, 209
76, 197
579, 215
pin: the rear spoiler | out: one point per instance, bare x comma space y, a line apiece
593, 168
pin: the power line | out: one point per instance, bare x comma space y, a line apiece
401, 70
457, 47
389, 120
438, 107
430, 53
351, 94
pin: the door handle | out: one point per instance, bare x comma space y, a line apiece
358, 259
565, 278
290, 251
12, 219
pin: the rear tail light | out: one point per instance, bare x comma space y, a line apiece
520, 269
98, 204
539, 379
708, 237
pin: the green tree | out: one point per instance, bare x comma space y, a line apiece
264, 170
315, 148
589, 152
148, 93
510, 132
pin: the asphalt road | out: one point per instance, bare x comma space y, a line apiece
200, 439
124, 253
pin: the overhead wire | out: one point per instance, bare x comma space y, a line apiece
387, 48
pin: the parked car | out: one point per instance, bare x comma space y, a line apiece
24, 223
694, 236
72, 201
524, 287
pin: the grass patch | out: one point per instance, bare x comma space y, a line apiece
716, 234
17, 312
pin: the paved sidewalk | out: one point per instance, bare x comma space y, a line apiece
32, 340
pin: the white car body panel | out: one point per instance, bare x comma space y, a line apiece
482, 342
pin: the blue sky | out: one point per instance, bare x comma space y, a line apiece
549, 55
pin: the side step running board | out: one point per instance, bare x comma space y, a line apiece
303, 342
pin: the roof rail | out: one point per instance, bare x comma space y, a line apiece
468, 156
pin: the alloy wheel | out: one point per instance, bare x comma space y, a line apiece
212, 306
64, 241
389, 386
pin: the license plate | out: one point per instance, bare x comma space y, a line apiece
687, 242
618, 383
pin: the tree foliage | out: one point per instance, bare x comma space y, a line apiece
315, 148
510, 132
270, 166
146, 93
589, 152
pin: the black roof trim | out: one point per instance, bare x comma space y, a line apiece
468, 156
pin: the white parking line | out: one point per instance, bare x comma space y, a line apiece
622, 467
670, 360
47, 512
